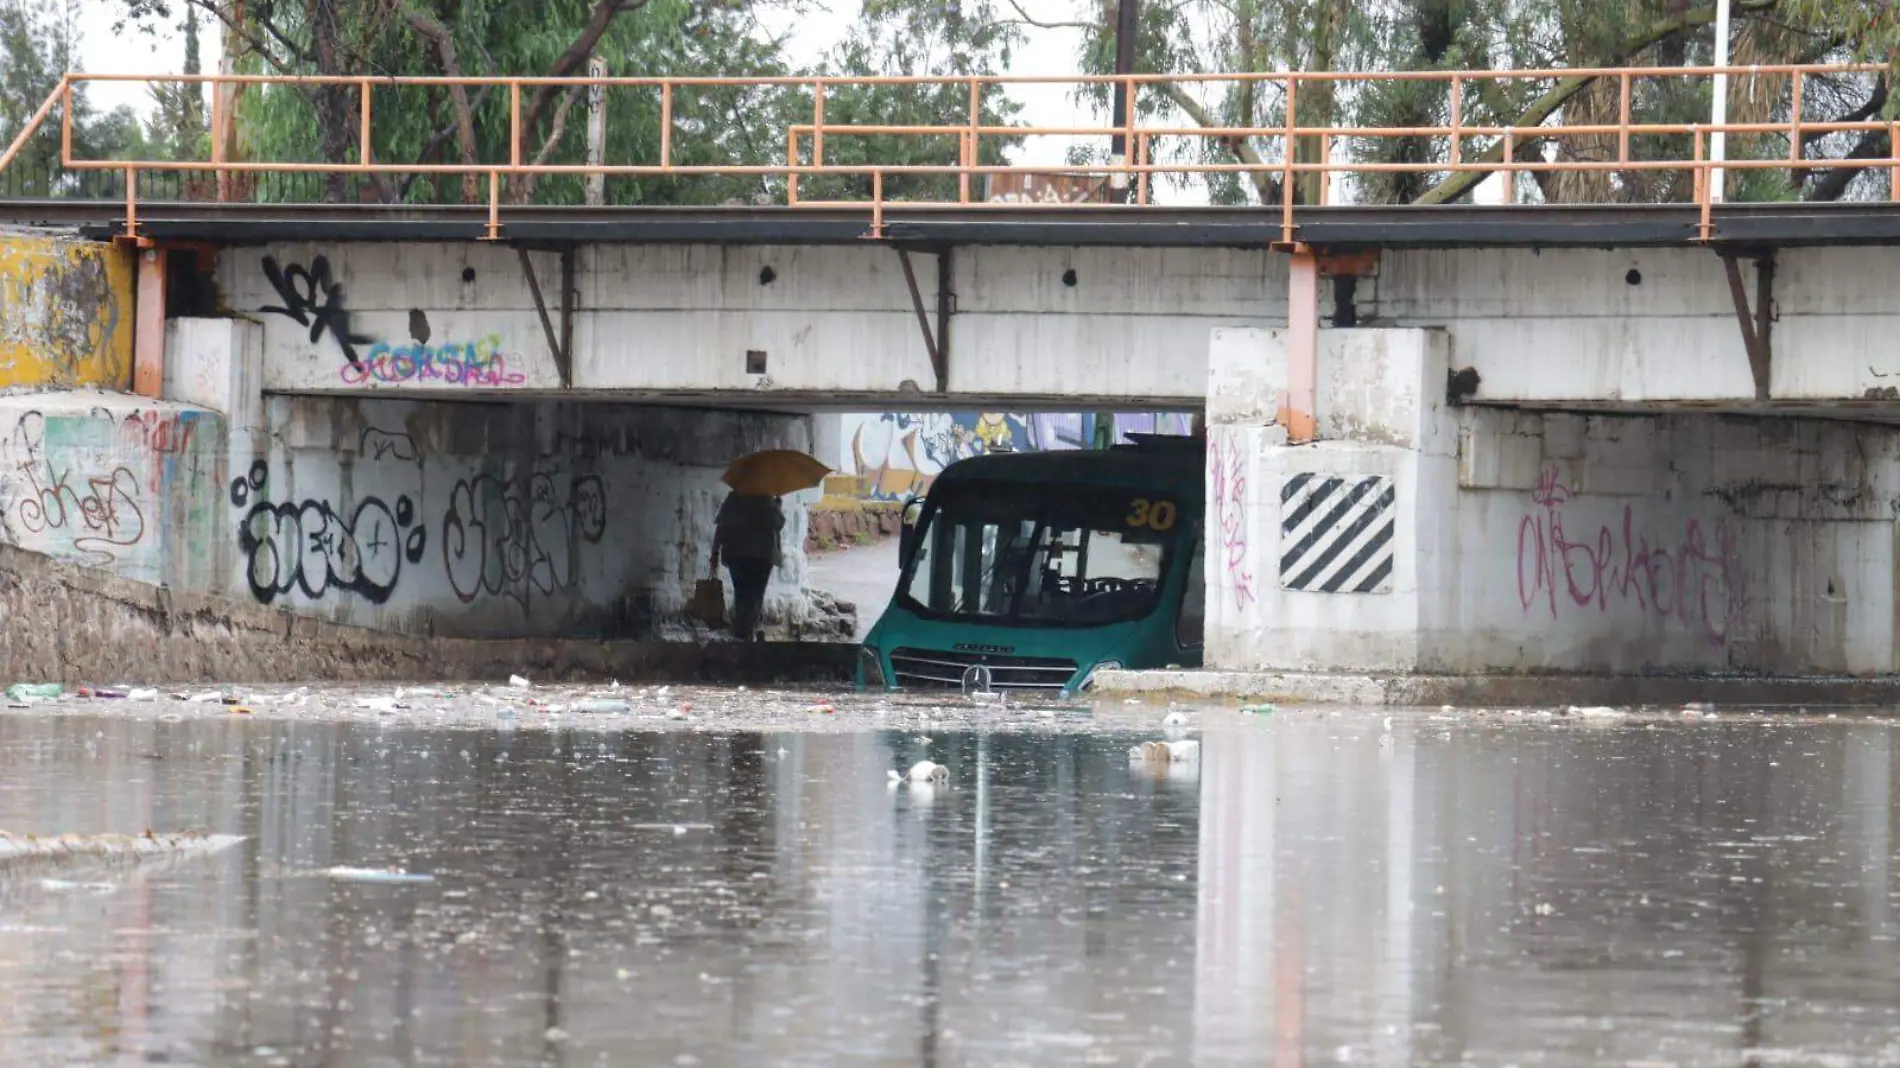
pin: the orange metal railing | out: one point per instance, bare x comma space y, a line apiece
1136, 172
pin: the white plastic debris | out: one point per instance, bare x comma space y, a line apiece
20, 847
377, 875
677, 713
923, 771
1598, 712
143, 693
1166, 752
1175, 719
519, 683
599, 706
383, 705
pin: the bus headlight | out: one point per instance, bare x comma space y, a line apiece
870, 668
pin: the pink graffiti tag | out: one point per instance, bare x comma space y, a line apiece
1701, 582
1227, 471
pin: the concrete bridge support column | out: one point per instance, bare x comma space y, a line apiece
1318, 550
1417, 537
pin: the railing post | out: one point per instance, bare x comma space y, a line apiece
494, 205
1325, 161
1893, 173
1286, 160
818, 123
877, 203
1510, 172
1795, 147
972, 140
514, 124
1457, 121
362, 151
1128, 136
66, 123
1141, 159
131, 202
791, 160
666, 124
1703, 182
222, 176
1623, 120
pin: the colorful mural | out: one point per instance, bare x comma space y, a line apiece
896, 454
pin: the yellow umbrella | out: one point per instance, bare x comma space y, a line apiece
774, 473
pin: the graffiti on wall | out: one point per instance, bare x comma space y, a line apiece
65, 314
85, 484
897, 454
1227, 478
520, 537
311, 547
474, 363
1696, 579
312, 298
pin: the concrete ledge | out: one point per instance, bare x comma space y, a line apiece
62, 623
1315, 688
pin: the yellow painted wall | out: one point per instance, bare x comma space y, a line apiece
65, 313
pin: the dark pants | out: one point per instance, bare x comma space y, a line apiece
749, 578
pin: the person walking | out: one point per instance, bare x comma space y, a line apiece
746, 537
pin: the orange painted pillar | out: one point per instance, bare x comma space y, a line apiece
1298, 403
148, 331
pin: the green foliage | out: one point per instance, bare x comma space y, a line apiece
747, 126
38, 43
895, 39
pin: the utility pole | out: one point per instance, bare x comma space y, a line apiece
1119, 148
596, 132
1102, 424
1718, 141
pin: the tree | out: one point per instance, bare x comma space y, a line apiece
896, 38
377, 38
39, 43
176, 128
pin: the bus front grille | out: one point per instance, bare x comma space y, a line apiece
930, 669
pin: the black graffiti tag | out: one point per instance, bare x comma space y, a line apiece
313, 300
311, 547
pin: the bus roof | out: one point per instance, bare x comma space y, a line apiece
1151, 460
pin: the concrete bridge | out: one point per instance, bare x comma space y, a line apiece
1613, 440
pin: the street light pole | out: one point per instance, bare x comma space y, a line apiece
1124, 64
1718, 141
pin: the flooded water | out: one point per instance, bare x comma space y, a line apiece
1314, 890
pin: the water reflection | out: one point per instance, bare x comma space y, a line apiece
1315, 890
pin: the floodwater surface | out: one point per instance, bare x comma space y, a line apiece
1316, 889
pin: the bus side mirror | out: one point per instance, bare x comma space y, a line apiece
907, 531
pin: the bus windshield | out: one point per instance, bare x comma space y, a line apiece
1012, 552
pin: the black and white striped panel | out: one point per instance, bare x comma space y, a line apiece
1336, 533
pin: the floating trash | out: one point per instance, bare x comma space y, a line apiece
923, 771
377, 875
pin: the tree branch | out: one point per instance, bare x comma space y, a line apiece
1830, 184
1022, 17
1566, 88
458, 94
578, 50
1263, 184
257, 45
547, 147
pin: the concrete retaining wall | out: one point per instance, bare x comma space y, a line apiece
521, 519
65, 313
89, 626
